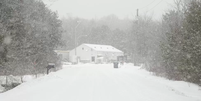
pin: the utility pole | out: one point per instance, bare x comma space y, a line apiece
76, 41
135, 56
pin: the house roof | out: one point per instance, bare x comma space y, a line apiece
62, 51
106, 48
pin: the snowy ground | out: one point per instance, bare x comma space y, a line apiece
16, 79
92, 82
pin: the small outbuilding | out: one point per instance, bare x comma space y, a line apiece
94, 53
63, 54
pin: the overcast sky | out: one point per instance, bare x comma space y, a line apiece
99, 8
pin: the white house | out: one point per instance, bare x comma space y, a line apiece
94, 53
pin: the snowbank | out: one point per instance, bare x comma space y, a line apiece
101, 82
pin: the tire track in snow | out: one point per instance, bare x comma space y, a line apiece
146, 88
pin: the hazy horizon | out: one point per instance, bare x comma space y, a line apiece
96, 9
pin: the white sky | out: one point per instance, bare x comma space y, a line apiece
99, 8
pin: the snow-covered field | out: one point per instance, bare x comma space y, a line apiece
101, 82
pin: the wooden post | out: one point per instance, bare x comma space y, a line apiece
6, 80
22, 79
48, 70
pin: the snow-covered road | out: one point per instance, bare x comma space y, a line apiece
92, 82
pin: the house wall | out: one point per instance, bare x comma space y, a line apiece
83, 52
93, 54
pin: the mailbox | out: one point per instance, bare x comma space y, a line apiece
50, 66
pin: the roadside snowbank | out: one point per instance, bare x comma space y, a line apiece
101, 82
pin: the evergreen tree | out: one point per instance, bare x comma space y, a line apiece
171, 47
192, 42
34, 33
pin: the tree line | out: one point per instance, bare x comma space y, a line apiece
181, 49
109, 30
172, 49
29, 33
